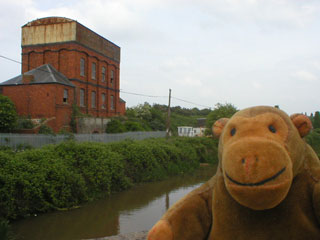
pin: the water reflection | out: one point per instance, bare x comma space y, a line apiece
133, 210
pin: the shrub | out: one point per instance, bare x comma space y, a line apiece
70, 173
115, 126
102, 169
8, 114
45, 129
5, 231
140, 163
133, 126
25, 123
37, 181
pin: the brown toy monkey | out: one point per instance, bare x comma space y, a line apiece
267, 185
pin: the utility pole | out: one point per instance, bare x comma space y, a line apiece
168, 117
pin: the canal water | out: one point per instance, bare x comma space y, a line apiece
136, 209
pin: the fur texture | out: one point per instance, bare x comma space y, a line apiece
266, 185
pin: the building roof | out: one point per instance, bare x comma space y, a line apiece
52, 30
41, 75
48, 20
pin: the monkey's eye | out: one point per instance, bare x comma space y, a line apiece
233, 131
272, 129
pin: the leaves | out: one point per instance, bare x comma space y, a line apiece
8, 114
220, 111
68, 174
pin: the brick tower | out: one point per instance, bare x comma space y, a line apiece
88, 60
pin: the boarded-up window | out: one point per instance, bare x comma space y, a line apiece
103, 101
82, 97
65, 96
112, 102
103, 71
93, 99
93, 71
82, 67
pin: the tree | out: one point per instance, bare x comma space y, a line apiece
133, 126
8, 114
220, 111
316, 120
115, 126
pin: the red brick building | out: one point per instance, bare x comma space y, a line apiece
63, 62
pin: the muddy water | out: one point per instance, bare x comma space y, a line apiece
133, 210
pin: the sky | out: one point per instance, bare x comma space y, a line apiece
243, 52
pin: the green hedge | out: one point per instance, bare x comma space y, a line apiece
70, 173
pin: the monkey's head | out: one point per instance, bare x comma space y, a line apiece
260, 151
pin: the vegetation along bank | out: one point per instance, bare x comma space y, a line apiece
68, 174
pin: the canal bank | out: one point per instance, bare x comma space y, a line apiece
126, 215
70, 174
130, 236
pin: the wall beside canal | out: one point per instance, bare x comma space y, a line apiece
130, 236
38, 140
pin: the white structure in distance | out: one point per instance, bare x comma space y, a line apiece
186, 131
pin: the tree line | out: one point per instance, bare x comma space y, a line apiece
143, 117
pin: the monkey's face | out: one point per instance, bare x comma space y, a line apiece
255, 158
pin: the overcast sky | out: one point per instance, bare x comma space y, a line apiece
244, 52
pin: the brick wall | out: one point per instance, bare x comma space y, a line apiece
65, 57
42, 101
63, 42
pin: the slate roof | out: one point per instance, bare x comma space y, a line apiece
42, 75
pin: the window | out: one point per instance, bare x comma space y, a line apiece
112, 102
1, 90
103, 98
93, 99
82, 67
82, 97
111, 78
93, 71
65, 96
103, 74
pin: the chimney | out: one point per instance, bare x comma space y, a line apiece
27, 79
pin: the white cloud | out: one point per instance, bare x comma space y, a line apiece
207, 51
305, 76
176, 63
266, 14
256, 85
316, 64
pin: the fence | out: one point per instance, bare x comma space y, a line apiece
38, 140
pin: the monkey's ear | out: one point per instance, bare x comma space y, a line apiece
218, 126
302, 123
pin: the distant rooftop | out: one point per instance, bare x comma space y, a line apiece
41, 75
